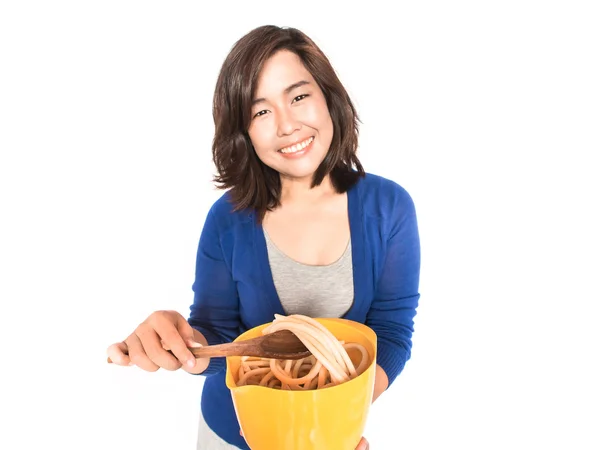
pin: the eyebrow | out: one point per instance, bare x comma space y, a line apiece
287, 90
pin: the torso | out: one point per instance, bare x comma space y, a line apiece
315, 235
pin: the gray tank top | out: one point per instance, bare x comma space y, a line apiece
315, 291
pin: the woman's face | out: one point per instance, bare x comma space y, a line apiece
290, 129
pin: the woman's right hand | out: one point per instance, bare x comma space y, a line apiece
147, 346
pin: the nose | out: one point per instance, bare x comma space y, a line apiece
286, 123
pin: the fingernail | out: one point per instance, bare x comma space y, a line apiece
194, 344
191, 363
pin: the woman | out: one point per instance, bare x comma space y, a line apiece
301, 229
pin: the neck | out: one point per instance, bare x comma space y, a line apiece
299, 191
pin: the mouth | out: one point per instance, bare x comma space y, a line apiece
297, 148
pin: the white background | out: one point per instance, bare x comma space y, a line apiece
488, 113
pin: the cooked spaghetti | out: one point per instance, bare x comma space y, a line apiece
329, 364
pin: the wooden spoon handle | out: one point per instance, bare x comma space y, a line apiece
219, 350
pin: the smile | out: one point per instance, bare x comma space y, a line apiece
297, 147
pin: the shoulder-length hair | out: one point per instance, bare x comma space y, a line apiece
251, 183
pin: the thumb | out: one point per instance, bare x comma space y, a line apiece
363, 444
186, 332
191, 343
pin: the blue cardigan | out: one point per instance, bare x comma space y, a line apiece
234, 290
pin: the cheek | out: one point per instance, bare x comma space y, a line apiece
259, 137
319, 117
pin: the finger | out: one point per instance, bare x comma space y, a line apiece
138, 355
176, 336
117, 354
155, 348
200, 365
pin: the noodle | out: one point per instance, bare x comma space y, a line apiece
329, 364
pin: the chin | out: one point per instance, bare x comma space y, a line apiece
299, 171
297, 175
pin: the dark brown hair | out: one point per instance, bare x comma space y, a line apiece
252, 183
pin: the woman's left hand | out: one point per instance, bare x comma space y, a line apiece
363, 444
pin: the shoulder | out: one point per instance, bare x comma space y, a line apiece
381, 196
223, 215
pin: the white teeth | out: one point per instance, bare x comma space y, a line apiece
297, 147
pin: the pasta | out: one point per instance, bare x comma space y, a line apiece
328, 365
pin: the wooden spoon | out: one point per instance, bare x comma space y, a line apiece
281, 344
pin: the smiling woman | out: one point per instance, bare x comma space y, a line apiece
302, 229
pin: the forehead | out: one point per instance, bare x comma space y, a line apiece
280, 71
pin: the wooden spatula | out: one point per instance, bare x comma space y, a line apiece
281, 344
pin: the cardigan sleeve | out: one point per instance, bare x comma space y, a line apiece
215, 310
397, 291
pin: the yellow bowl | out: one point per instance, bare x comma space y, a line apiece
332, 418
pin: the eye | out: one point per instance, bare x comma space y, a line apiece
300, 97
260, 113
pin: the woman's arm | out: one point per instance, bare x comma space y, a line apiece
381, 382
397, 294
214, 313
